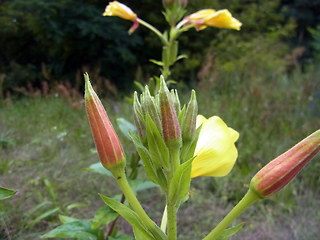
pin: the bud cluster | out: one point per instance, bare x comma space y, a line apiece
164, 130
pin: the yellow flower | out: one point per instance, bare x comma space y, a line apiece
215, 153
212, 18
120, 10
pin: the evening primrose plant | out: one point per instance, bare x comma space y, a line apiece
174, 142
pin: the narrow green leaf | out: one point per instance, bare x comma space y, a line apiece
98, 168
6, 193
165, 56
103, 216
78, 229
77, 204
173, 52
139, 86
157, 147
226, 234
182, 57
180, 184
159, 63
145, 158
66, 219
141, 235
126, 126
42, 216
37, 207
127, 214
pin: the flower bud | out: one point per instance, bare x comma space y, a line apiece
120, 10
188, 126
138, 118
176, 101
149, 106
170, 124
108, 145
212, 18
279, 172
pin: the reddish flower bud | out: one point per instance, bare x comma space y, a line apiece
279, 172
170, 124
108, 145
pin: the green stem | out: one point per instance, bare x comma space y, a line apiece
245, 202
172, 221
153, 29
136, 206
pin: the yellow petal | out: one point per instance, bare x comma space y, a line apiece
215, 152
222, 19
120, 10
212, 18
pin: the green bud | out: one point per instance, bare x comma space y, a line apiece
188, 126
138, 117
176, 101
150, 107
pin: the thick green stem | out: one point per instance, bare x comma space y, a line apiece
245, 202
136, 206
172, 221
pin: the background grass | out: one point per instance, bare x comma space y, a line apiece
46, 144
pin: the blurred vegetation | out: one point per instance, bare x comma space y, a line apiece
263, 81
46, 40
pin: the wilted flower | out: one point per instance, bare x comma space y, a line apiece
215, 152
279, 172
120, 10
212, 18
108, 145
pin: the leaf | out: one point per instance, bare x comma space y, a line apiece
157, 147
180, 184
42, 216
145, 158
6, 193
37, 207
159, 63
227, 233
77, 204
103, 216
66, 219
126, 126
127, 214
173, 52
139, 86
77, 229
98, 168
121, 236
182, 57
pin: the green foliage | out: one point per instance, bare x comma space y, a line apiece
6, 193
64, 35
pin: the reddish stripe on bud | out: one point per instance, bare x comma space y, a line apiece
108, 145
279, 172
169, 120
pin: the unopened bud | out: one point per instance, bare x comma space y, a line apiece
279, 172
108, 145
170, 124
149, 106
189, 122
176, 101
138, 118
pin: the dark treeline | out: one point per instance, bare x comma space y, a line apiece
54, 40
